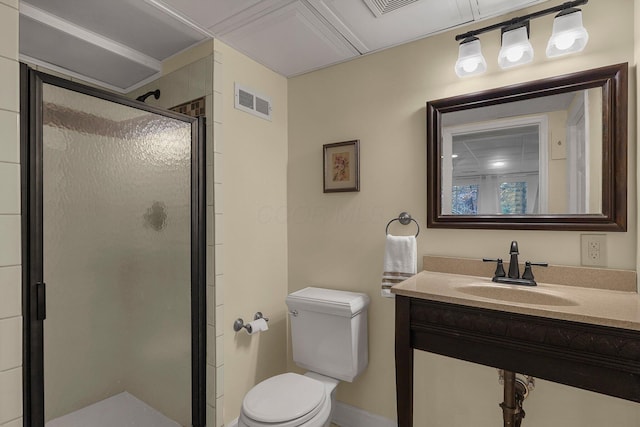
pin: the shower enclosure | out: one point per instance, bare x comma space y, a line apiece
113, 248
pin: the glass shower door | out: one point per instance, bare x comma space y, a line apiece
120, 226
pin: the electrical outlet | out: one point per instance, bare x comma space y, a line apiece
593, 250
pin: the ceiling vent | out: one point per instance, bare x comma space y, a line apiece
251, 102
382, 7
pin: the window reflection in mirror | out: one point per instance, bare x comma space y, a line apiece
539, 156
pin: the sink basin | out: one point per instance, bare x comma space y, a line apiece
516, 294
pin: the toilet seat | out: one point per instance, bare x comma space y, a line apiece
286, 400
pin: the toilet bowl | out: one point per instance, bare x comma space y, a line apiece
289, 400
329, 339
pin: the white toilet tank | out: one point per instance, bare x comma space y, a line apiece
329, 331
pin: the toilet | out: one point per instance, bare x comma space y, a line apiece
329, 339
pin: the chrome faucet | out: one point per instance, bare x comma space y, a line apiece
513, 277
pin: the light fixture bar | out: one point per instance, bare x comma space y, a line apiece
521, 19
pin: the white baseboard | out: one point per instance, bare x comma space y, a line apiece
349, 416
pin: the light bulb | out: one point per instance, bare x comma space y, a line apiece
470, 65
565, 41
515, 53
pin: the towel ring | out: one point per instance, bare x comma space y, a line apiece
404, 218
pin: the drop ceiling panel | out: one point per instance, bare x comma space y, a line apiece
209, 13
410, 22
246, 16
134, 23
487, 8
63, 50
289, 36
290, 40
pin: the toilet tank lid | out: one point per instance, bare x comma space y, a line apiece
330, 301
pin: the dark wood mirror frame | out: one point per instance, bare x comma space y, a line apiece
613, 81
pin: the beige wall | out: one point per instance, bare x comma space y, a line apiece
252, 167
337, 240
10, 259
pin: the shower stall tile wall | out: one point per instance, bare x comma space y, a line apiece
10, 333
11, 292
10, 232
216, 418
10, 176
12, 3
9, 73
9, 148
10, 259
9, 45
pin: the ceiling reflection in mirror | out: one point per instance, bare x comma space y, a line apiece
532, 157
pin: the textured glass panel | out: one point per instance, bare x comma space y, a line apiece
464, 200
117, 257
513, 198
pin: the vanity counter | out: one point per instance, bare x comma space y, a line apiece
618, 309
582, 337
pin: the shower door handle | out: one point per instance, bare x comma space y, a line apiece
41, 301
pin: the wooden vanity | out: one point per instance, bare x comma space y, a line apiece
581, 337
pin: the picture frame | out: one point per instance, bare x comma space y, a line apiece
341, 166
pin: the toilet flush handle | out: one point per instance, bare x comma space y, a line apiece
294, 313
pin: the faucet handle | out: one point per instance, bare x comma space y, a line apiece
539, 264
499, 266
528, 274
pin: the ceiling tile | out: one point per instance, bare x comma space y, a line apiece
130, 37
209, 13
487, 8
134, 23
415, 20
290, 40
240, 19
60, 49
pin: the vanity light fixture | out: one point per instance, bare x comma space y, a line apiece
568, 36
470, 59
516, 48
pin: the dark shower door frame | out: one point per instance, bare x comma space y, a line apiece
33, 288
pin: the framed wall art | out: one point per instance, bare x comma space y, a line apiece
341, 165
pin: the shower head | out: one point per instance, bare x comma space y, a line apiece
155, 93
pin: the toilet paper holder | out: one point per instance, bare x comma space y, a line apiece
239, 323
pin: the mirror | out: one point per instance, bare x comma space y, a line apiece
549, 154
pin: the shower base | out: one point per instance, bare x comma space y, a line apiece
121, 410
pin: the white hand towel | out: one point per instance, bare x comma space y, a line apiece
400, 261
